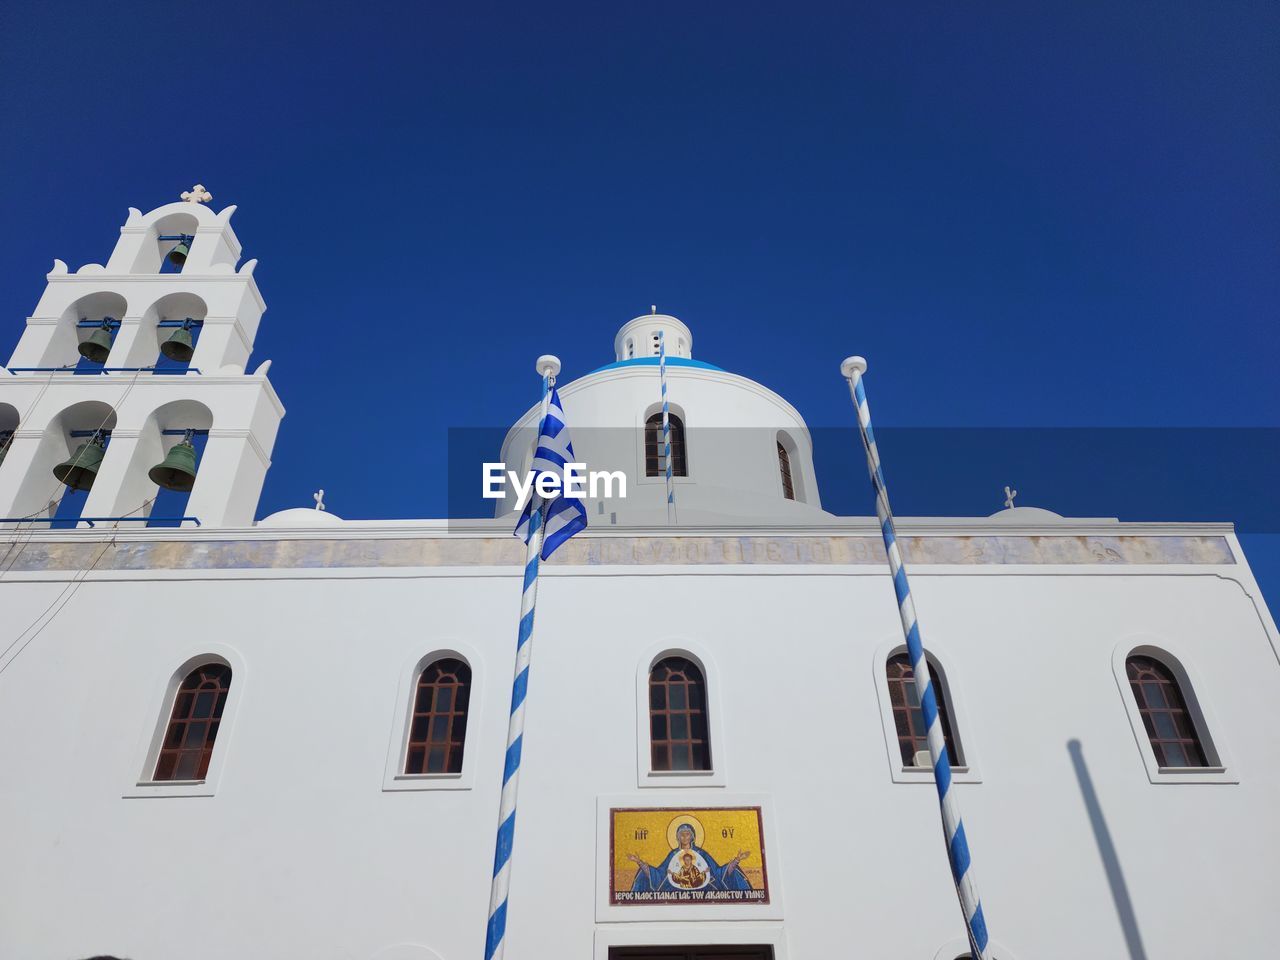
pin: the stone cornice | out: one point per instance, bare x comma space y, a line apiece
425, 547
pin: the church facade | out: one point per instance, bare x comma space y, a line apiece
722, 756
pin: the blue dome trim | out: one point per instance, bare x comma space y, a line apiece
653, 362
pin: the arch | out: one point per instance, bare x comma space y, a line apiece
1172, 720
61, 348
194, 717
8, 424
654, 449
909, 725
40, 493
173, 307
714, 775
404, 714
679, 715
439, 709
158, 436
784, 471
153, 256
1218, 766
791, 460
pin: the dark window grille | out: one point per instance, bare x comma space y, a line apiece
784, 465
908, 718
678, 736
655, 464
188, 741
1170, 727
438, 728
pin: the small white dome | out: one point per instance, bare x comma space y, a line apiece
300, 517
1025, 515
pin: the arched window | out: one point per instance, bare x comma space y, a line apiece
784, 467
678, 737
438, 729
1170, 726
655, 463
908, 718
193, 725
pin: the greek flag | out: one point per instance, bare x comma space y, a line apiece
562, 516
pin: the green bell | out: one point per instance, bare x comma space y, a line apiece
179, 346
178, 255
97, 348
178, 469
80, 469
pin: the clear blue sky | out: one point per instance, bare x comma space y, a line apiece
1023, 215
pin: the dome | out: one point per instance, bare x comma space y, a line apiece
731, 435
1025, 515
300, 517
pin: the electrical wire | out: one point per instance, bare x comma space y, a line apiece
62, 599
31, 529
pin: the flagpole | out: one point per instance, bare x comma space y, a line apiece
957, 846
495, 936
666, 426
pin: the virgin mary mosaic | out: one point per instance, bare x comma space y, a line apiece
687, 856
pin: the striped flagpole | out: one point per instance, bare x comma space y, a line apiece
666, 426
957, 846
495, 937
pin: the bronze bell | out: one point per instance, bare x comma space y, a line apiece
178, 255
179, 346
80, 469
177, 471
97, 348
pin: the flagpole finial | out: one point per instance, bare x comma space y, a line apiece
547, 365
852, 365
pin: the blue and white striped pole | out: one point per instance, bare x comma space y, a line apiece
666, 426
495, 937
957, 846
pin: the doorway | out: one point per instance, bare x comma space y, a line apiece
692, 953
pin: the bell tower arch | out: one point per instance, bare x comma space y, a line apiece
162, 335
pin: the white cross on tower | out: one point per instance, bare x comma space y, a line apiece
197, 194
318, 497
1008, 497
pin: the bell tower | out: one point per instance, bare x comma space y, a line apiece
131, 377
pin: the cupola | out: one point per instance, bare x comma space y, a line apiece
639, 337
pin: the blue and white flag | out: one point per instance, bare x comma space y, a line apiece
562, 516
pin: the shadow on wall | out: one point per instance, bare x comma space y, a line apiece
1107, 850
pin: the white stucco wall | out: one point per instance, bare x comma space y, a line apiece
301, 852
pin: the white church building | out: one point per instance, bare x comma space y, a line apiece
225, 736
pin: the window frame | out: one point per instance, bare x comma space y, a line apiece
785, 473
156, 725
689, 711
799, 485
962, 731
646, 776
1220, 768
660, 480
681, 444
394, 778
